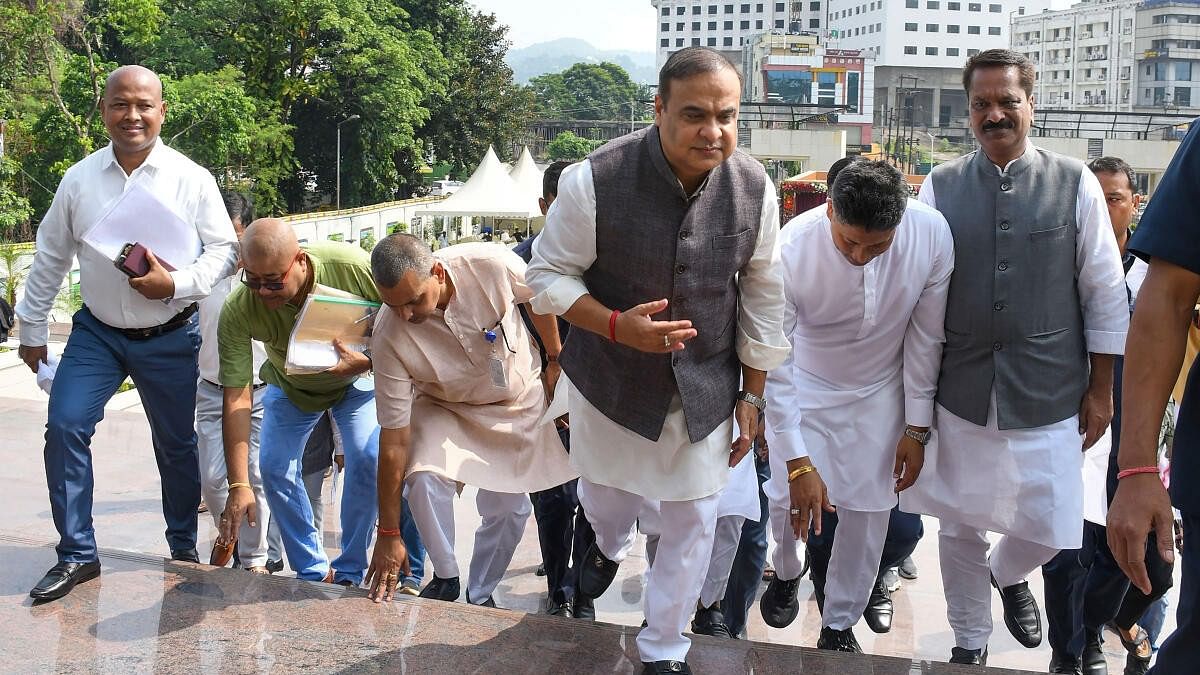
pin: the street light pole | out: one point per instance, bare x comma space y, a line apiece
339, 159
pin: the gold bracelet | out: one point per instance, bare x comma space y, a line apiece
796, 473
240, 485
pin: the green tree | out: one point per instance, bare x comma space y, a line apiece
14, 268
14, 207
480, 105
589, 91
570, 147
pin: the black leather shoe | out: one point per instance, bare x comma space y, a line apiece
878, 613
1136, 665
61, 578
778, 605
583, 608
274, 566
838, 640
711, 621
597, 573
1093, 662
1065, 664
560, 609
442, 589
186, 555
974, 657
666, 667
1021, 613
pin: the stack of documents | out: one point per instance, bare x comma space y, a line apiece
137, 216
328, 314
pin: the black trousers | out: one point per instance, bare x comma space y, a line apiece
564, 533
1085, 589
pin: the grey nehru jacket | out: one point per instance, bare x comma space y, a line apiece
1013, 318
653, 241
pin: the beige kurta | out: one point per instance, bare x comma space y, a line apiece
435, 377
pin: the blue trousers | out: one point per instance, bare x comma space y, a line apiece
1181, 652
285, 430
96, 361
412, 543
750, 560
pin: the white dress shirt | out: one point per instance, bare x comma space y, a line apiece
866, 351
84, 195
210, 319
604, 452
1028, 482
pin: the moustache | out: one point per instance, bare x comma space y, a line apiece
992, 126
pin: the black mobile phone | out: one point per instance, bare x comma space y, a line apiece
132, 260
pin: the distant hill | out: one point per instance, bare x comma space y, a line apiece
558, 55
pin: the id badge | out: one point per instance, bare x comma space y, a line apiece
496, 367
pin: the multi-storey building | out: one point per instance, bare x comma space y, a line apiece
727, 26
1167, 48
1114, 55
920, 47
1084, 55
798, 69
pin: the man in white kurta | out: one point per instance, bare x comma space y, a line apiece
1036, 311
460, 402
670, 215
865, 281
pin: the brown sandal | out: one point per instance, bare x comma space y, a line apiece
221, 553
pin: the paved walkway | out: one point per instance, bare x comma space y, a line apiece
128, 517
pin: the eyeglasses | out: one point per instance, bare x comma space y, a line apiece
275, 285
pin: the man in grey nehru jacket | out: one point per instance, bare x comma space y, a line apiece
1036, 313
660, 250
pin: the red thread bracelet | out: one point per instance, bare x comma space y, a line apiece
612, 324
1136, 470
387, 533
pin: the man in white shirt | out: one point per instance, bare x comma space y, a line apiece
865, 297
1036, 314
674, 221
252, 542
141, 328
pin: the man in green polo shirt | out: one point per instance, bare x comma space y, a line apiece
277, 277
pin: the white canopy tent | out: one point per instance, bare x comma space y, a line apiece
528, 177
490, 191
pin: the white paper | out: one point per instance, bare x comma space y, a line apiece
1095, 480
310, 347
558, 405
46, 372
137, 216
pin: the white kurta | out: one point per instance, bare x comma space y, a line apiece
866, 348
1027, 482
672, 468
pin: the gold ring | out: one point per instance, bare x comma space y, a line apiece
795, 512
666, 341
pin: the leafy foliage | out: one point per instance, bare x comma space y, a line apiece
589, 91
570, 147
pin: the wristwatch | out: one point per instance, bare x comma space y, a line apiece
921, 437
753, 399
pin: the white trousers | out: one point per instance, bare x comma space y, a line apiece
967, 572
431, 500
720, 563
853, 563
683, 553
214, 484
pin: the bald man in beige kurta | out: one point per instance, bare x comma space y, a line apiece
468, 425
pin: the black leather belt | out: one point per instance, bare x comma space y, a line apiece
220, 387
162, 329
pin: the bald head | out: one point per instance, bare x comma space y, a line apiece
268, 240
138, 77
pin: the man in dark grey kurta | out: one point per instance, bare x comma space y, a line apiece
1036, 311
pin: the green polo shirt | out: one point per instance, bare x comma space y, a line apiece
244, 318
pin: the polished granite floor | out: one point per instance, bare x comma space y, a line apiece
152, 615
142, 611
